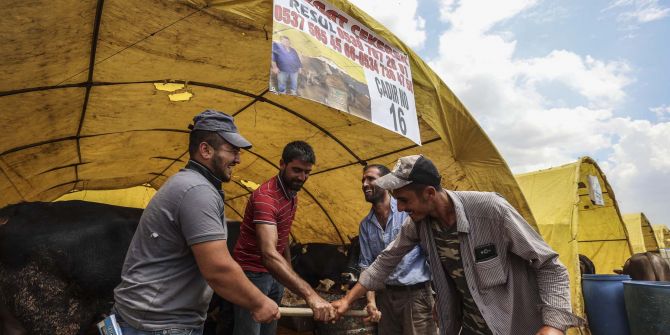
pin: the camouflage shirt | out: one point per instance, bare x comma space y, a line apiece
448, 249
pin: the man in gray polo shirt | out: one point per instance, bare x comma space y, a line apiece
179, 249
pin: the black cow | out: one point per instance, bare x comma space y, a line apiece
316, 261
586, 266
59, 263
646, 266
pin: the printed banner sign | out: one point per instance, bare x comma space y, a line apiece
322, 54
595, 191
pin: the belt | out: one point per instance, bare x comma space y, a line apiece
413, 287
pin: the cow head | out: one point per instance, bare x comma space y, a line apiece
350, 277
647, 266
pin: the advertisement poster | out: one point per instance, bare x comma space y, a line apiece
322, 54
595, 191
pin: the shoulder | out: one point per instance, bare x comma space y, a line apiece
187, 183
266, 191
479, 197
481, 202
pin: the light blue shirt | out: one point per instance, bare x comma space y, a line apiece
413, 268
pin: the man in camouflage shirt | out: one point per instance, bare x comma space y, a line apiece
492, 272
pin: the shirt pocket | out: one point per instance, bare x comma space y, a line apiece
179, 331
491, 273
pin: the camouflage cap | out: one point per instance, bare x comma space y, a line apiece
410, 169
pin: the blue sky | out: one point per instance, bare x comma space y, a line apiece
550, 81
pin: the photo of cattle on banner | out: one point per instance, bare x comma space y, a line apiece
317, 78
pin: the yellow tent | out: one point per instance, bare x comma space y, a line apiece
662, 234
572, 223
97, 95
640, 233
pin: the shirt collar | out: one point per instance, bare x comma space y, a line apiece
462, 223
205, 172
394, 210
288, 194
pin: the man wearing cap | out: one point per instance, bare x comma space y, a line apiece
406, 300
492, 272
179, 249
262, 247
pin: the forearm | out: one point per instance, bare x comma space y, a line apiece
356, 292
282, 271
370, 296
230, 282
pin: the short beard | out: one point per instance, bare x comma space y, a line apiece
377, 195
288, 183
221, 174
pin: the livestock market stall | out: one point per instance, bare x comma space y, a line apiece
97, 95
577, 213
640, 233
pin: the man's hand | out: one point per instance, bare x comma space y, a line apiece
323, 311
275, 69
374, 315
548, 330
267, 312
341, 306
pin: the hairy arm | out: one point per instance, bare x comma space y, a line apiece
228, 280
280, 268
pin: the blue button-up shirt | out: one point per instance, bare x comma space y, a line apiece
412, 269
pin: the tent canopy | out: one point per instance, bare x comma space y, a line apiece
640, 233
98, 95
662, 235
572, 224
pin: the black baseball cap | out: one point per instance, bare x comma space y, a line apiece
222, 124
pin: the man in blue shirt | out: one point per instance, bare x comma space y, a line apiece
286, 65
406, 303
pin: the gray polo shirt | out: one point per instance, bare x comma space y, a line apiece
161, 285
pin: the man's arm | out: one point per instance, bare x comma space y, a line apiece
266, 237
287, 255
552, 277
373, 312
227, 279
374, 276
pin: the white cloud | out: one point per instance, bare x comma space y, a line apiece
639, 168
399, 17
477, 16
598, 81
662, 112
639, 11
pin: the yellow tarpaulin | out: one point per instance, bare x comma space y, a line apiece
137, 197
98, 94
640, 233
569, 220
662, 235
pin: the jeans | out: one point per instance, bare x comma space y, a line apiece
127, 329
291, 77
244, 323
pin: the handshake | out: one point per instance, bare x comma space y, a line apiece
324, 311
333, 311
